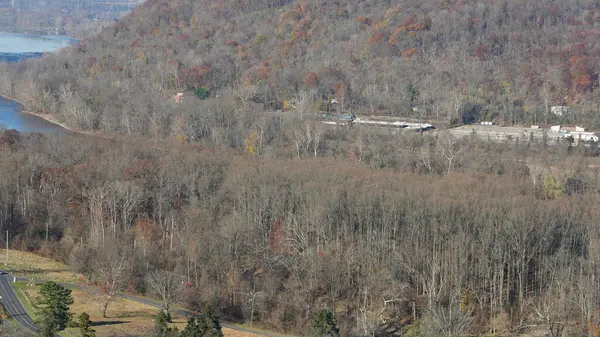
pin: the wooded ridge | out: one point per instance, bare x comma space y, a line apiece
504, 60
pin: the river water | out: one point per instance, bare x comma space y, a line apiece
11, 117
16, 47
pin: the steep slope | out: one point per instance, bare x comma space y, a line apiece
458, 60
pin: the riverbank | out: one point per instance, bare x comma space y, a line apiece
50, 119
47, 117
165, 143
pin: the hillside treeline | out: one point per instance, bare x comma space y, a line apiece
453, 61
504, 238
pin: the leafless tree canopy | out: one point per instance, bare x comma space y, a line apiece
166, 285
504, 239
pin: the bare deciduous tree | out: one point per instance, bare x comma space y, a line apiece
450, 148
166, 285
113, 268
301, 103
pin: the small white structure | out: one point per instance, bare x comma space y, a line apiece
536, 127
579, 129
560, 110
555, 128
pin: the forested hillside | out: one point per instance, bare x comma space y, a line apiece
503, 60
507, 241
272, 216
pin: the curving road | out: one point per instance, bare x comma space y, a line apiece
13, 305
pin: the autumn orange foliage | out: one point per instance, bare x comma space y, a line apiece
409, 53
310, 79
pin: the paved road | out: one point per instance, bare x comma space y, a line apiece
13, 305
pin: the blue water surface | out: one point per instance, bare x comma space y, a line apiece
15, 47
11, 117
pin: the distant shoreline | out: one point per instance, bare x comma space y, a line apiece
65, 128
32, 44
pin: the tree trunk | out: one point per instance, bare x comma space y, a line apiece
105, 307
168, 312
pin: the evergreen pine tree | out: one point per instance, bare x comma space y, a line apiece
161, 325
323, 324
56, 300
207, 325
194, 328
211, 323
85, 326
48, 324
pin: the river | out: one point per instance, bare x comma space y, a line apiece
16, 47
11, 117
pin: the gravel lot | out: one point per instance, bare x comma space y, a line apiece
501, 133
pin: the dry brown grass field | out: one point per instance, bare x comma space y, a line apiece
37, 267
124, 315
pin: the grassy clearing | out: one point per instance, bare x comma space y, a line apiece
258, 330
34, 266
126, 316
123, 315
21, 289
28, 296
234, 333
